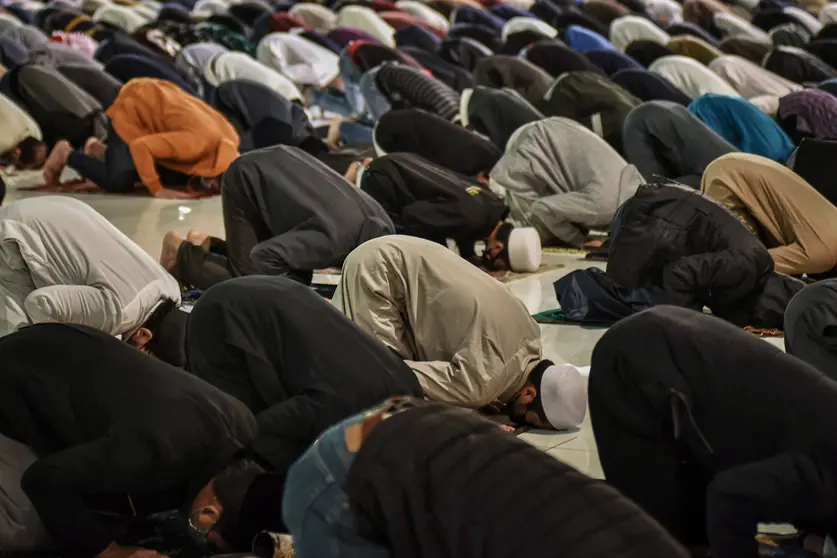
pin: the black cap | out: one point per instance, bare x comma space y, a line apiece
260, 511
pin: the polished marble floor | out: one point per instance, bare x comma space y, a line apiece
146, 220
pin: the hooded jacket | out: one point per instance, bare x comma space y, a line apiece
674, 237
437, 140
431, 202
437, 482
515, 73
63, 262
260, 340
562, 179
115, 431
312, 217
496, 113
593, 101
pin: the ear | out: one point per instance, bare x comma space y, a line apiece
528, 394
141, 338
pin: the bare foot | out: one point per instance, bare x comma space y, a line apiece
95, 148
598, 243
198, 238
168, 255
56, 162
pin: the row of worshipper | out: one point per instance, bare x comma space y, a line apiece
363, 80
269, 430
532, 147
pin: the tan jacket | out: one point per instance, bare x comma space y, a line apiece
468, 339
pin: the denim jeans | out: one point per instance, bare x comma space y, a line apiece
350, 75
355, 133
376, 102
316, 507
330, 100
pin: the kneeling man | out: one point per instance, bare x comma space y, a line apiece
94, 435
468, 339
285, 213
63, 262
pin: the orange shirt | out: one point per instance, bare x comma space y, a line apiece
164, 125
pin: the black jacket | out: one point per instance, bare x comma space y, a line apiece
498, 113
408, 87
515, 73
62, 109
593, 101
115, 430
673, 237
437, 140
297, 362
431, 202
309, 216
755, 422
442, 482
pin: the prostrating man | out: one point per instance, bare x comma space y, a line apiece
61, 108
155, 127
21, 139
260, 339
712, 431
457, 474
468, 339
669, 236
429, 201
562, 179
811, 326
285, 213
94, 434
63, 262
794, 221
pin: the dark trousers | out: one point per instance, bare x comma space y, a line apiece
245, 229
811, 326
116, 173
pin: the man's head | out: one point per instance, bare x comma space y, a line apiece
553, 397
507, 247
163, 334
31, 153
215, 511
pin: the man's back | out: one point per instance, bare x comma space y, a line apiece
63, 241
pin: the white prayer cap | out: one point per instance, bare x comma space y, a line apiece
563, 393
464, 101
524, 247
17, 125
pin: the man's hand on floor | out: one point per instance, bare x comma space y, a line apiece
168, 194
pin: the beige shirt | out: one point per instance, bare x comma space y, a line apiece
467, 338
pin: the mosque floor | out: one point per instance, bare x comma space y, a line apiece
146, 220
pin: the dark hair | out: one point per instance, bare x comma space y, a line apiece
167, 325
503, 233
155, 320
230, 486
29, 151
534, 378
